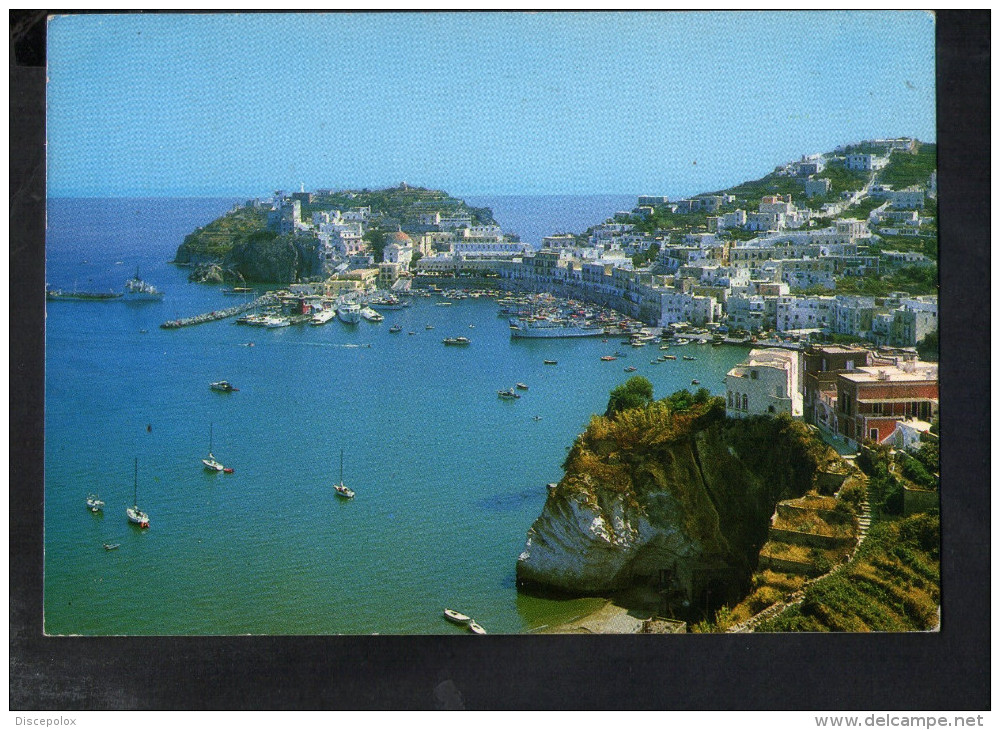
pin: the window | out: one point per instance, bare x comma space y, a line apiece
744, 401
729, 395
873, 434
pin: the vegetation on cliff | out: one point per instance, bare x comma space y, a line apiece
893, 584
214, 241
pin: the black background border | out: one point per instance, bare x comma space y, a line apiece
935, 671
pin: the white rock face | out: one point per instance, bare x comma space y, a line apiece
580, 546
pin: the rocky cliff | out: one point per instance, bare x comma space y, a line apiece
676, 500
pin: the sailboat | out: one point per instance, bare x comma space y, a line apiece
134, 514
210, 463
341, 489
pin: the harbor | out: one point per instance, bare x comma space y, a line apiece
280, 551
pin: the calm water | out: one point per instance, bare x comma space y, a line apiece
448, 477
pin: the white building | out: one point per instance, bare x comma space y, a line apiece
866, 162
796, 313
766, 384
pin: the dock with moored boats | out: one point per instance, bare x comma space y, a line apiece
215, 316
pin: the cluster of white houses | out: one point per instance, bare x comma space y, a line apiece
700, 277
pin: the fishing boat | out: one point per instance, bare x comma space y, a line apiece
476, 628
395, 328
137, 290
457, 618
210, 463
508, 394
135, 515
456, 340
94, 504
111, 546
224, 386
341, 489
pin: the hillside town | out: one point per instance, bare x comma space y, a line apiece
826, 266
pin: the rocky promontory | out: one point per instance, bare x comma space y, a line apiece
671, 495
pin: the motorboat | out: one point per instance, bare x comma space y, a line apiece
349, 313
94, 504
695, 382
371, 315
630, 369
522, 386
272, 321
550, 362
322, 316
111, 546
608, 358
395, 328
689, 357
508, 394
456, 340
224, 386
457, 618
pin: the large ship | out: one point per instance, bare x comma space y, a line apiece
529, 328
137, 290
84, 296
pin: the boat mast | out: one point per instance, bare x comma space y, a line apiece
135, 491
210, 438
341, 467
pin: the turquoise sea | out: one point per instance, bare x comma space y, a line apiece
448, 477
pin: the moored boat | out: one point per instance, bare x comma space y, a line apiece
476, 628
522, 386
224, 386
630, 369
135, 515
689, 357
509, 394
83, 296
395, 328
456, 617
341, 489
322, 316
456, 340
137, 290
349, 313
550, 362
210, 462
526, 328
371, 315
111, 546
94, 503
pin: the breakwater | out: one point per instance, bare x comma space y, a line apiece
214, 316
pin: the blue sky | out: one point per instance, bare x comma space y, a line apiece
473, 103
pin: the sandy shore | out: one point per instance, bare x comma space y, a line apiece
613, 619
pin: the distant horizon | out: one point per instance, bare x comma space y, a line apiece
487, 103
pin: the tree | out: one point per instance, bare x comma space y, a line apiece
927, 348
636, 392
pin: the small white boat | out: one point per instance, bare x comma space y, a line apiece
371, 315
522, 386
395, 328
210, 463
457, 618
273, 321
224, 386
94, 504
340, 489
456, 340
110, 546
135, 515
476, 628
509, 394
323, 316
